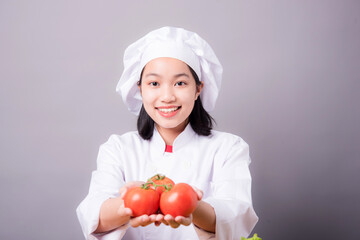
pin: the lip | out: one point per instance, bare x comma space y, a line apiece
169, 114
166, 107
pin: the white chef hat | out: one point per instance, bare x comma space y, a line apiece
175, 43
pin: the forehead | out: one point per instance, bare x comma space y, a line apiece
166, 65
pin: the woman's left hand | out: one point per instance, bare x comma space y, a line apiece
180, 220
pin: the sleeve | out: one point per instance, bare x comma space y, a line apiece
105, 183
231, 194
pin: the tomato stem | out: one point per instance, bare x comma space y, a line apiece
145, 185
157, 177
152, 183
166, 186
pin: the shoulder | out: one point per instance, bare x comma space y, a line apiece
230, 147
226, 138
123, 140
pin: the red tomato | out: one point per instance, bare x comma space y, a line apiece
181, 200
142, 200
165, 182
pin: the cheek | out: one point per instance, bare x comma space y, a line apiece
189, 101
147, 96
147, 103
190, 96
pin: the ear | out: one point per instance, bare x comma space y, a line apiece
199, 89
139, 86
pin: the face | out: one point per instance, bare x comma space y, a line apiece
168, 92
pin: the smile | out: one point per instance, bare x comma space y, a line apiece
168, 110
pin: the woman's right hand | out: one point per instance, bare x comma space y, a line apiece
142, 220
113, 213
123, 211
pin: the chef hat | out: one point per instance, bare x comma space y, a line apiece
175, 43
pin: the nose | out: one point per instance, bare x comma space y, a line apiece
167, 94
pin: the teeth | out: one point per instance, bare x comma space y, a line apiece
167, 110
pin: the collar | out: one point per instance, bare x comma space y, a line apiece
181, 140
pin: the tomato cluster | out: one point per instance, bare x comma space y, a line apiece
160, 192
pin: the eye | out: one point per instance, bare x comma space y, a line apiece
181, 83
154, 84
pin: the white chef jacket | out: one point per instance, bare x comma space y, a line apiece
217, 164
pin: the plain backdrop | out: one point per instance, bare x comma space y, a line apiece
290, 89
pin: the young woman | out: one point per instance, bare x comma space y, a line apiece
171, 80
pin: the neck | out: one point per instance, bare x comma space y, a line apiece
169, 134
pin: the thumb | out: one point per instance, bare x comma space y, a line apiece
198, 192
129, 185
124, 211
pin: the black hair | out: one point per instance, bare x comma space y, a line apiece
199, 119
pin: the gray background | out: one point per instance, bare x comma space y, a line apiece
290, 89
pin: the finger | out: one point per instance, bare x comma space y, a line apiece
146, 220
122, 192
198, 192
184, 220
159, 218
165, 222
129, 185
143, 220
134, 184
144, 223
170, 219
135, 221
125, 212
152, 217
156, 219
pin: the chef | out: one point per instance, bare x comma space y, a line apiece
171, 80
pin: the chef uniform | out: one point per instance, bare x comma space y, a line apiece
217, 164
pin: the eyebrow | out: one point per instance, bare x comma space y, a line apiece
176, 75
152, 74
182, 75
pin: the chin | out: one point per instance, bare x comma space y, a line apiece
169, 124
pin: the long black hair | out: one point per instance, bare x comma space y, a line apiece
199, 119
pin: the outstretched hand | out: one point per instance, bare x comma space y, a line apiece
142, 220
113, 212
175, 222
127, 212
